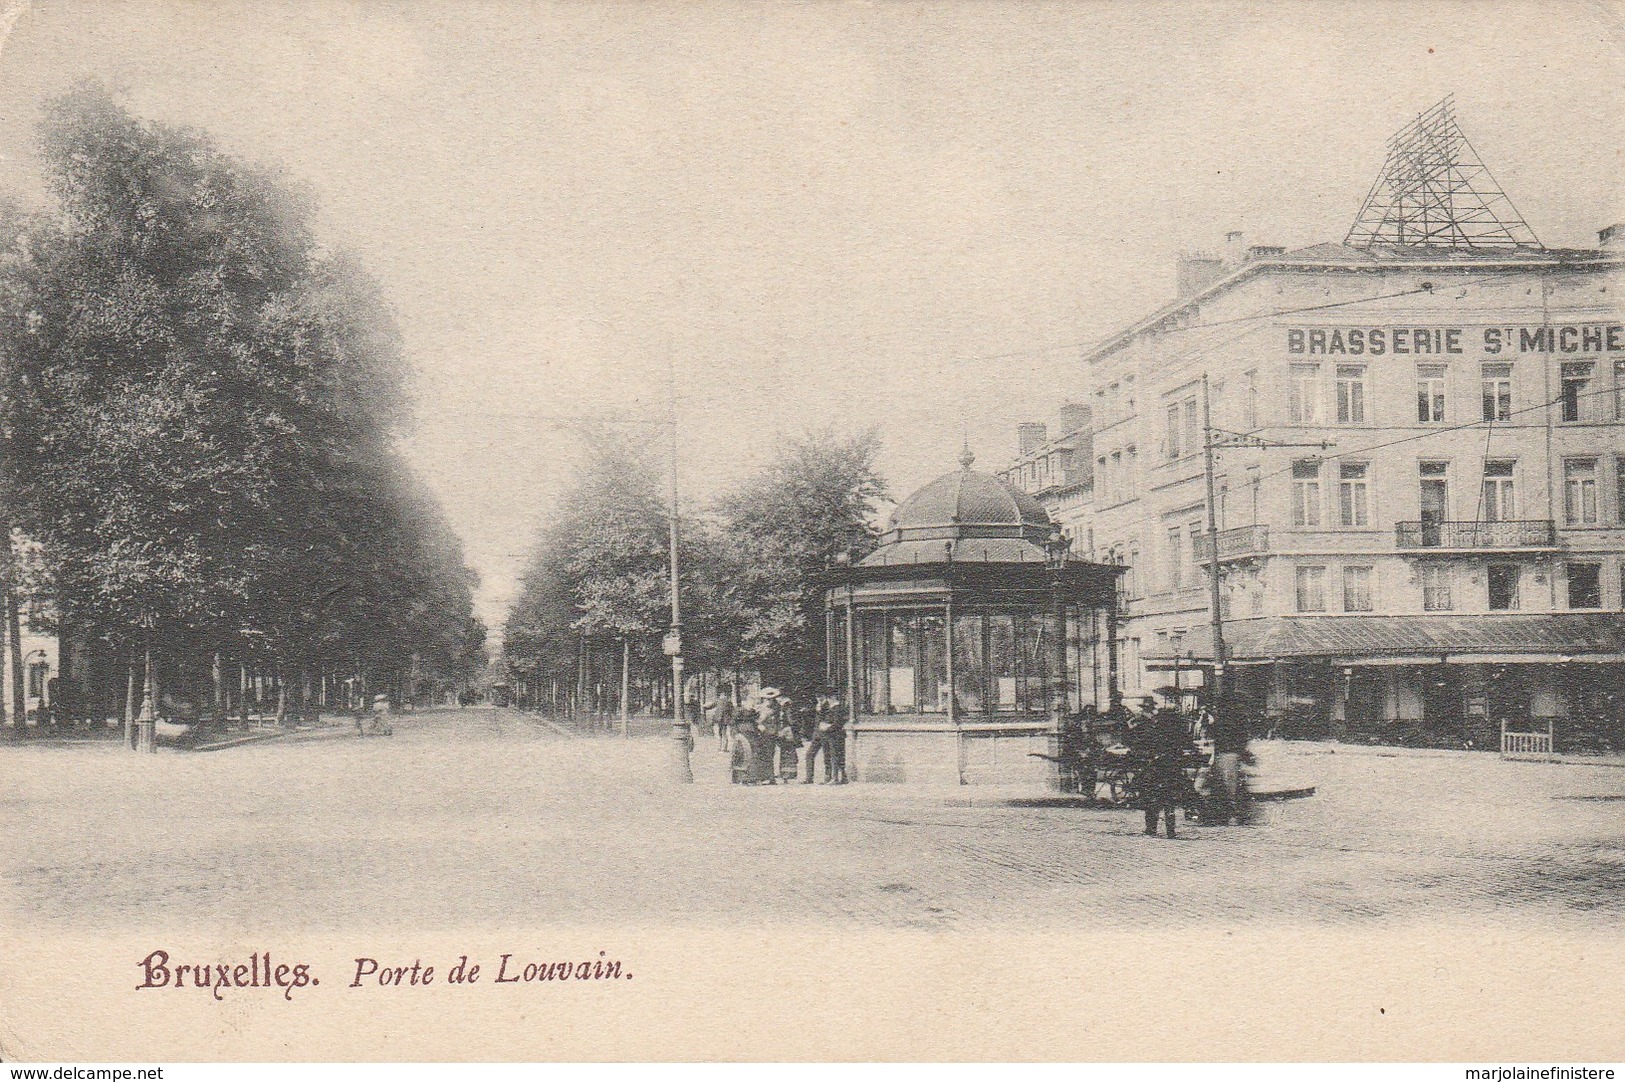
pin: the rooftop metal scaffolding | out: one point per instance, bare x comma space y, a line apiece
1435, 192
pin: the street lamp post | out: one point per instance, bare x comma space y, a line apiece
1055, 555
681, 738
146, 725
1216, 613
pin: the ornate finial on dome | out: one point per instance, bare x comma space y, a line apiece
966, 457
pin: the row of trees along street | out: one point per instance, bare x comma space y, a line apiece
594, 596
202, 407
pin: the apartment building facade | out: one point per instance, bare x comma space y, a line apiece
1419, 485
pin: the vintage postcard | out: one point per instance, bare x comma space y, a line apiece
796, 532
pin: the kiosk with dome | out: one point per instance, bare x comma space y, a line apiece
964, 640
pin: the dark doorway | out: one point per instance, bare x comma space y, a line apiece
1441, 699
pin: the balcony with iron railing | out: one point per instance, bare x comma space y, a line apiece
1240, 543
1478, 536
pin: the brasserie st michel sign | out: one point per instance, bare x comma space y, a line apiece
1445, 341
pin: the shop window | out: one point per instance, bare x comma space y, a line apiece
1303, 405
1585, 586
1497, 384
1500, 502
1436, 588
1311, 589
1503, 587
904, 663
1619, 390
970, 663
1430, 387
1037, 635
901, 671
931, 665
1353, 503
1351, 394
875, 668
1357, 589
1306, 492
1580, 491
1001, 662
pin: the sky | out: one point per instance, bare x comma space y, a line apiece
809, 215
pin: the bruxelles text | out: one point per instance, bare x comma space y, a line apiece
159, 971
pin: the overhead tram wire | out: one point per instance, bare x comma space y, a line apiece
1274, 313
1440, 431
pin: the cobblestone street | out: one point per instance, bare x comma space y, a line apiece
490, 817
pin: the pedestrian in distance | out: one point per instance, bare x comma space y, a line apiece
789, 737
1228, 799
725, 717
741, 756
818, 739
764, 741
1158, 747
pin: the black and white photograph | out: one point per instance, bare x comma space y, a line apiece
1084, 532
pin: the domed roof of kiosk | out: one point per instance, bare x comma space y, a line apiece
975, 515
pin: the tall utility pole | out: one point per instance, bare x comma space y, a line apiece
682, 771
1216, 694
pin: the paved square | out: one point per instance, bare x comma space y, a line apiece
493, 818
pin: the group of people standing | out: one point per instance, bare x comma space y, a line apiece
770, 738
1157, 749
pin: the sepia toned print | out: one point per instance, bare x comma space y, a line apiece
712, 532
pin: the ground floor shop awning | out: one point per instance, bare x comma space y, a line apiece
1553, 638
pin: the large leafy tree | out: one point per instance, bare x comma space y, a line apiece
598, 574
207, 404
752, 569
817, 498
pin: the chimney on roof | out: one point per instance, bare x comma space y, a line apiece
1071, 417
1030, 436
1612, 237
1196, 271
1264, 251
1235, 248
